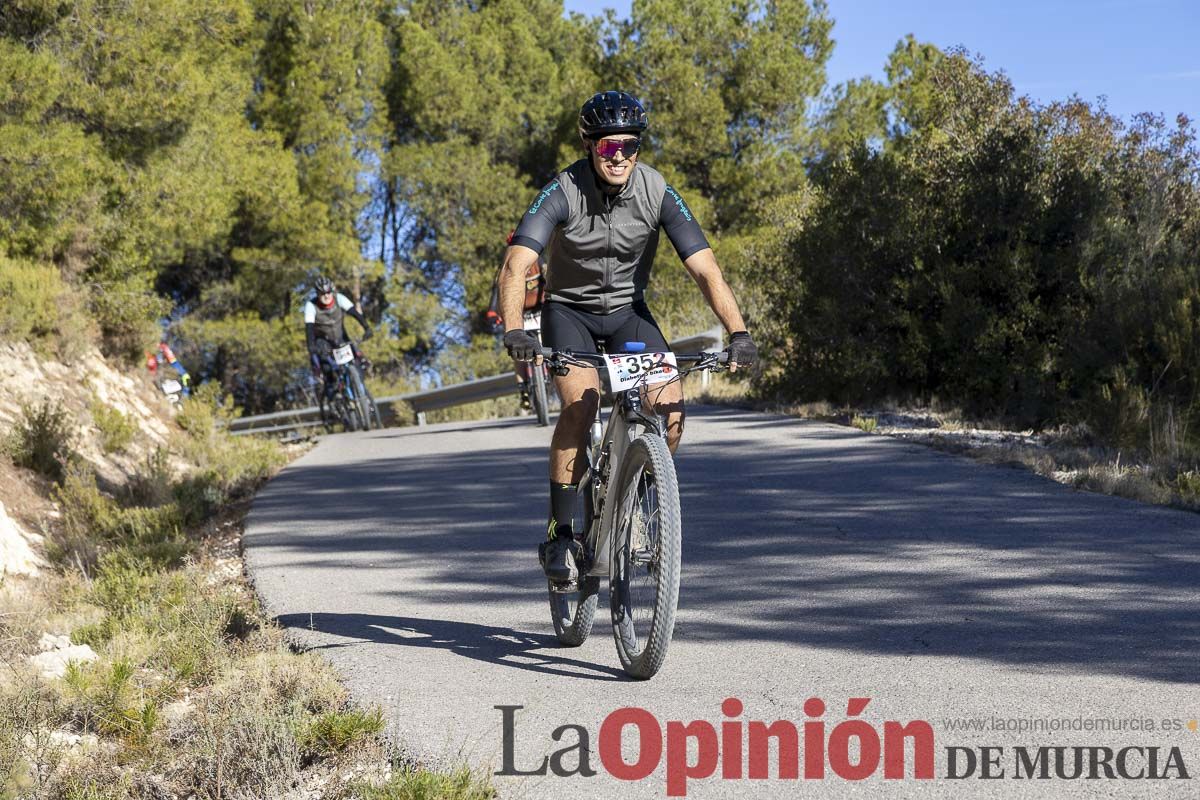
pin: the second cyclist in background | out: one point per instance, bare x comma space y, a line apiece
324, 328
531, 379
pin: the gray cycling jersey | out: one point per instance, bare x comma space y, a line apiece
600, 246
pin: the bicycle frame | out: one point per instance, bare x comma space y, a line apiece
624, 419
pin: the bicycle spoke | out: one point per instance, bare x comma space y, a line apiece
641, 555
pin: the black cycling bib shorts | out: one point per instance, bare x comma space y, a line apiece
566, 327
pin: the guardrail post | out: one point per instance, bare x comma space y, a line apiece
420, 417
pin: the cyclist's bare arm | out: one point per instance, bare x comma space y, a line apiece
517, 259
702, 266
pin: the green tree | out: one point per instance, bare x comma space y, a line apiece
729, 87
1033, 261
320, 73
483, 104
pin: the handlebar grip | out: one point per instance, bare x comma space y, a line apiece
547, 352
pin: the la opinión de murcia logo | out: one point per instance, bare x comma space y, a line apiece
853, 749
741, 749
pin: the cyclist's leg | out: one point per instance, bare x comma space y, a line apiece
637, 325
579, 389
324, 353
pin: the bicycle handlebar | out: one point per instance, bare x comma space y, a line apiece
566, 356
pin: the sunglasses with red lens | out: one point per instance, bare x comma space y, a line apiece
607, 148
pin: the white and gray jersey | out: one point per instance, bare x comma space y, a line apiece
599, 247
328, 323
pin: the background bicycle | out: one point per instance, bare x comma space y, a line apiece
349, 402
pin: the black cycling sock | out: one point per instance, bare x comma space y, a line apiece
562, 503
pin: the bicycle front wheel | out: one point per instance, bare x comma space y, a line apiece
348, 413
646, 542
328, 414
374, 409
360, 402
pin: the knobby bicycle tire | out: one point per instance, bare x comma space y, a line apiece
374, 409
348, 412
574, 613
540, 406
328, 417
360, 402
649, 490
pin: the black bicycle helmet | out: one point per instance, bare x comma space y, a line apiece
322, 285
611, 112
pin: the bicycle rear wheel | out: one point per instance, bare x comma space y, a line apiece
574, 613
541, 408
646, 541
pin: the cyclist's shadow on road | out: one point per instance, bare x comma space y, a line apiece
531, 652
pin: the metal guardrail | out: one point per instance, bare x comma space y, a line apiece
441, 397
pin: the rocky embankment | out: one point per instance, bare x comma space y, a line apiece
94, 397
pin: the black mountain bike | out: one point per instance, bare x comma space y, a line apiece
631, 514
351, 402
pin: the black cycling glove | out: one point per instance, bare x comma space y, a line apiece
742, 350
367, 334
522, 345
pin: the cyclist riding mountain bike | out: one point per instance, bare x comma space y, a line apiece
598, 223
324, 328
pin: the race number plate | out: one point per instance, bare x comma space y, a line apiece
170, 386
343, 354
628, 370
533, 320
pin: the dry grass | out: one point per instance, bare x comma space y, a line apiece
195, 692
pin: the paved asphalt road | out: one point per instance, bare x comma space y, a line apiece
818, 562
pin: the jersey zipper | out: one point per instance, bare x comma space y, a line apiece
609, 202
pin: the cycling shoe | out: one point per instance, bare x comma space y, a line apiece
559, 557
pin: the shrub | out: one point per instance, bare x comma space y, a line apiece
232, 741
207, 410
41, 439
227, 466
93, 523
243, 732
29, 710
335, 731
40, 308
128, 316
152, 484
865, 424
104, 699
415, 784
1187, 486
116, 429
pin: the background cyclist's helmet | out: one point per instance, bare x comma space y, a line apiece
323, 285
611, 112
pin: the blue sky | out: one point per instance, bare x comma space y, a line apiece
1143, 55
